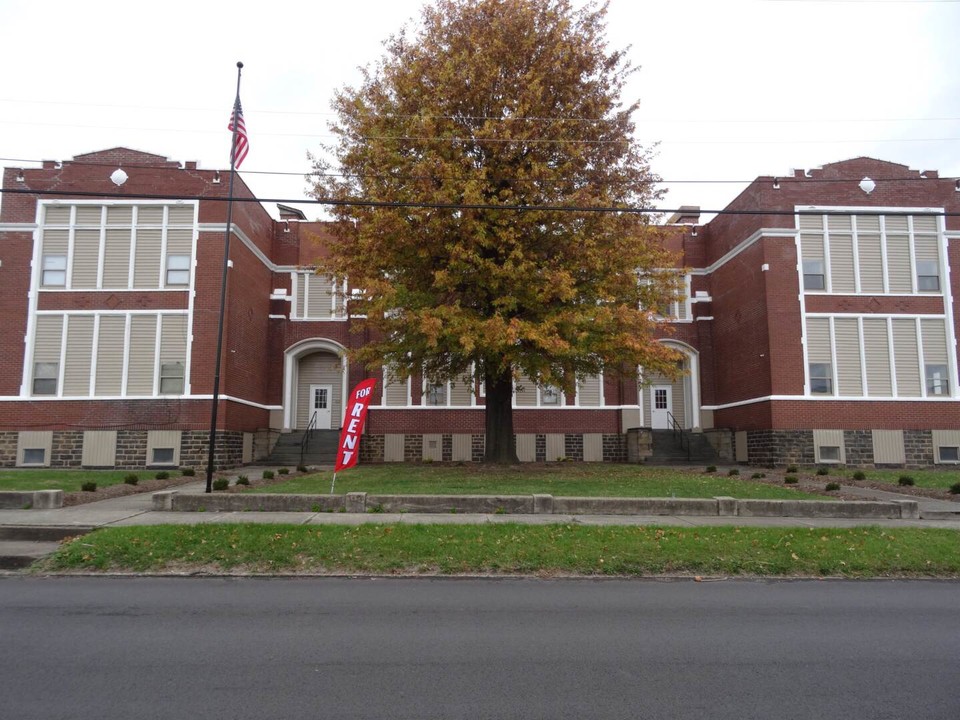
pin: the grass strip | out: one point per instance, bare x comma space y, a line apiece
66, 480
512, 548
561, 480
937, 479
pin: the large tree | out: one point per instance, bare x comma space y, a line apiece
481, 107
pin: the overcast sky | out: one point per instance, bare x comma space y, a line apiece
730, 89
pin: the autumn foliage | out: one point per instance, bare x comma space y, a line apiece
475, 171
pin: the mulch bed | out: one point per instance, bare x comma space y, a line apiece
813, 483
121, 489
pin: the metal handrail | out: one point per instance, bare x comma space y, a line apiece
311, 426
678, 433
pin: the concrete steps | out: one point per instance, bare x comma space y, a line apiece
21, 546
667, 449
321, 448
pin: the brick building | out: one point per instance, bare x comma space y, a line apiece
819, 326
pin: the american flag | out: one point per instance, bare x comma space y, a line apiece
242, 145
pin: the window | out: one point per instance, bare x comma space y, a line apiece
54, 271
178, 270
949, 454
937, 383
813, 275
162, 456
38, 456
821, 379
45, 376
549, 395
829, 453
171, 378
660, 399
928, 276
436, 394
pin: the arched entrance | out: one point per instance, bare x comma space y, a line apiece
314, 381
679, 397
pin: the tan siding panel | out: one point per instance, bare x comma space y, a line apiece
898, 263
462, 448
871, 263
831, 438
163, 439
934, 335
839, 223
59, 215
896, 223
180, 215
140, 367
556, 447
525, 393
945, 438
110, 355
55, 242
877, 347
811, 222
47, 343
76, 376
99, 448
433, 447
924, 224
841, 264
588, 391
146, 270
888, 447
120, 215
818, 340
906, 358
35, 440
179, 242
593, 447
320, 298
395, 393
461, 392
868, 224
173, 339
116, 259
320, 369
847, 339
393, 448
86, 259
526, 447
150, 215
811, 247
89, 214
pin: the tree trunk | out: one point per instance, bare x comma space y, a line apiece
501, 447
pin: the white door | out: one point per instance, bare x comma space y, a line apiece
321, 399
661, 403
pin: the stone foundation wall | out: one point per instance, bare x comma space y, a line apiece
131, 449
573, 447
722, 442
918, 448
372, 448
858, 448
8, 448
195, 445
614, 448
770, 448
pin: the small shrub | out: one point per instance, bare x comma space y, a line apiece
453, 511
822, 471
89, 487
243, 480
162, 475
791, 479
955, 489
131, 479
711, 468
376, 509
268, 474
221, 484
301, 468
859, 475
315, 508
831, 486
758, 475
188, 472
905, 481
283, 471
791, 469
732, 472
501, 511
428, 460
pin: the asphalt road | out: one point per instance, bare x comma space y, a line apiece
209, 648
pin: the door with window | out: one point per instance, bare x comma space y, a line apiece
321, 397
661, 406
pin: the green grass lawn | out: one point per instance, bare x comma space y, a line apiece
66, 480
511, 548
562, 479
939, 479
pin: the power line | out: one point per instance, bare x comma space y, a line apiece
357, 202
314, 174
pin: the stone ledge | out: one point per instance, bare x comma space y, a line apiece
31, 499
533, 504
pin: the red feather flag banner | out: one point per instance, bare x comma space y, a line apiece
349, 448
241, 145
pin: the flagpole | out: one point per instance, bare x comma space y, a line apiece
223, 285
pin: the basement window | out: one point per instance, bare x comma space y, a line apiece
829, 454
162, 456
949, 454
34, 456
